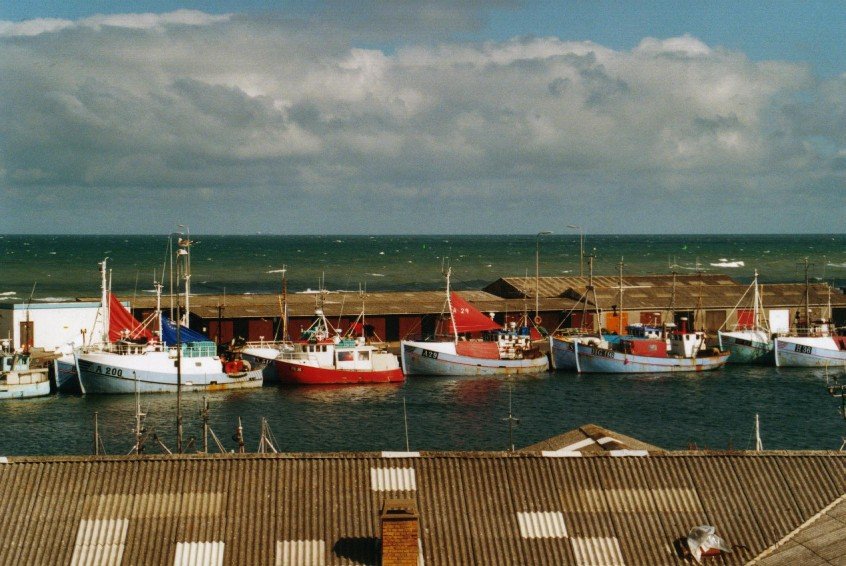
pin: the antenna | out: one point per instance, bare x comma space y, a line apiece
267, 443
405, 419
511, 420
139, 430
99, 448
239, 436
759, 446
28, 339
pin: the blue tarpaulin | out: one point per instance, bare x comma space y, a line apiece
185, 334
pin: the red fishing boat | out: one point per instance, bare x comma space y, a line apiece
325, 356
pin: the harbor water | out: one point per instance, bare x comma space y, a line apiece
707, 410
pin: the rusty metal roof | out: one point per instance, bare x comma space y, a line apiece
475, 508
513, 295
349, 304
555, 286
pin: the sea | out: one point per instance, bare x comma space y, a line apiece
713, 410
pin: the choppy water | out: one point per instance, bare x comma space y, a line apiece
66, 266
714, 409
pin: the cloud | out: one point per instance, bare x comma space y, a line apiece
205, 113
128, 21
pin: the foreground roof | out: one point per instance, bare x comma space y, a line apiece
475, 508
590, 439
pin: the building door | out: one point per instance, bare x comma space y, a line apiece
27, 335
714, 320
392, 332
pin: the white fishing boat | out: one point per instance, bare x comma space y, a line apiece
750, 341
18, 378
813, 343
132, 358
501, 351
641, 350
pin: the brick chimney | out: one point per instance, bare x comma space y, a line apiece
400, 532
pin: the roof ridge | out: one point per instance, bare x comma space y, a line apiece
792, 534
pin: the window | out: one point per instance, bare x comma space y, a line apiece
364, 356
346, 356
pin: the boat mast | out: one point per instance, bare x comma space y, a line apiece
158, 287
104, 300
759, 446
620, 314
179, 357
592, 289
449, 305
284, 303
185, 250
755, 300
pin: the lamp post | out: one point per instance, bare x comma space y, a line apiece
537, 271
581, 247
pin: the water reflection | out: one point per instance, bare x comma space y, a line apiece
714, 409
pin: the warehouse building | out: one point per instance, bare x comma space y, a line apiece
707, 301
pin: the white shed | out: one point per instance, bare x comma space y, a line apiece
50, 325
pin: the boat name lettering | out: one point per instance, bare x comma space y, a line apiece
602, 352
802, 349
117, 372
429, 354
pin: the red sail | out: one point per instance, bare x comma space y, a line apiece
468, 318
122, 324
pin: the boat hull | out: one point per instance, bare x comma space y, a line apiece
264, 357
562, 354
306, 374
591, 359
418, 359
789, 353
109, 374
747, 349
24, 390
67, 378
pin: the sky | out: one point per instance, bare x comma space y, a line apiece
404, 117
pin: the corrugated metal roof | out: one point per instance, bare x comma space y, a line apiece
300, 553
505, 296
100, 542
199, 553
596, 551
483, 508
819, 540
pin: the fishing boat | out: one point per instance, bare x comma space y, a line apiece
647, 349
19, 379
562, 352
750, 342
131, 358
813, 343
810, 351
326, 356
501, 351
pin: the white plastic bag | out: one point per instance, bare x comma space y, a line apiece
702, 539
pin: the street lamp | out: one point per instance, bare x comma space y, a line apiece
537, 271
581, 247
